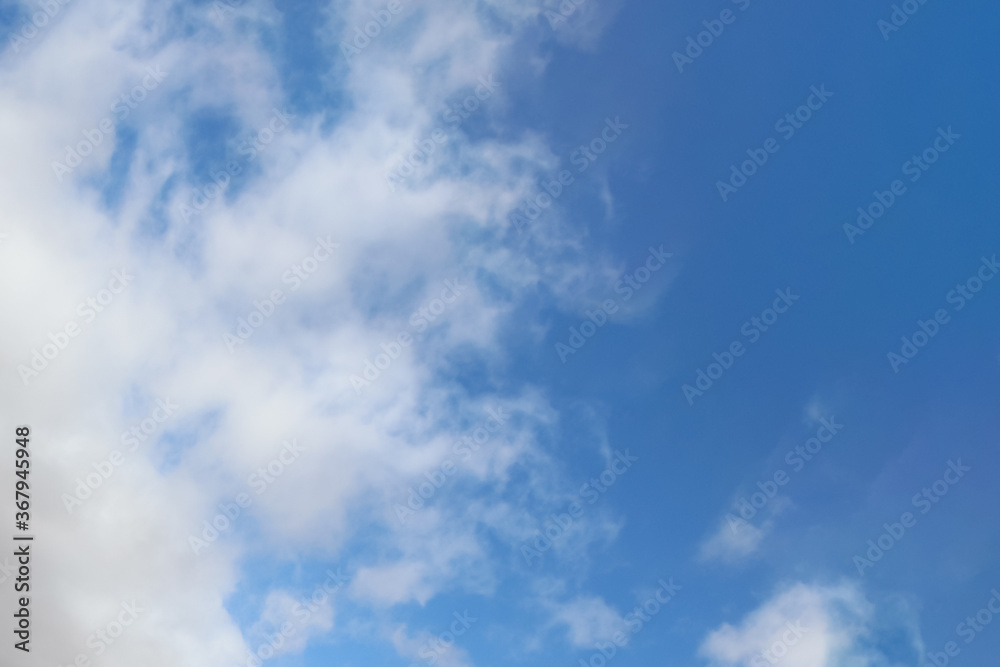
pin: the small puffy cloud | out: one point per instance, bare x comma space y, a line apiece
439, 650
801, 626
588, 620
393, 584
735, 539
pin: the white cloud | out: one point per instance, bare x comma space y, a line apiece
393, 584
163, 336
801, 626
430, 648
734, 540
588, 620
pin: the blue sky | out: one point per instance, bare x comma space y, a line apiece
524, 364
